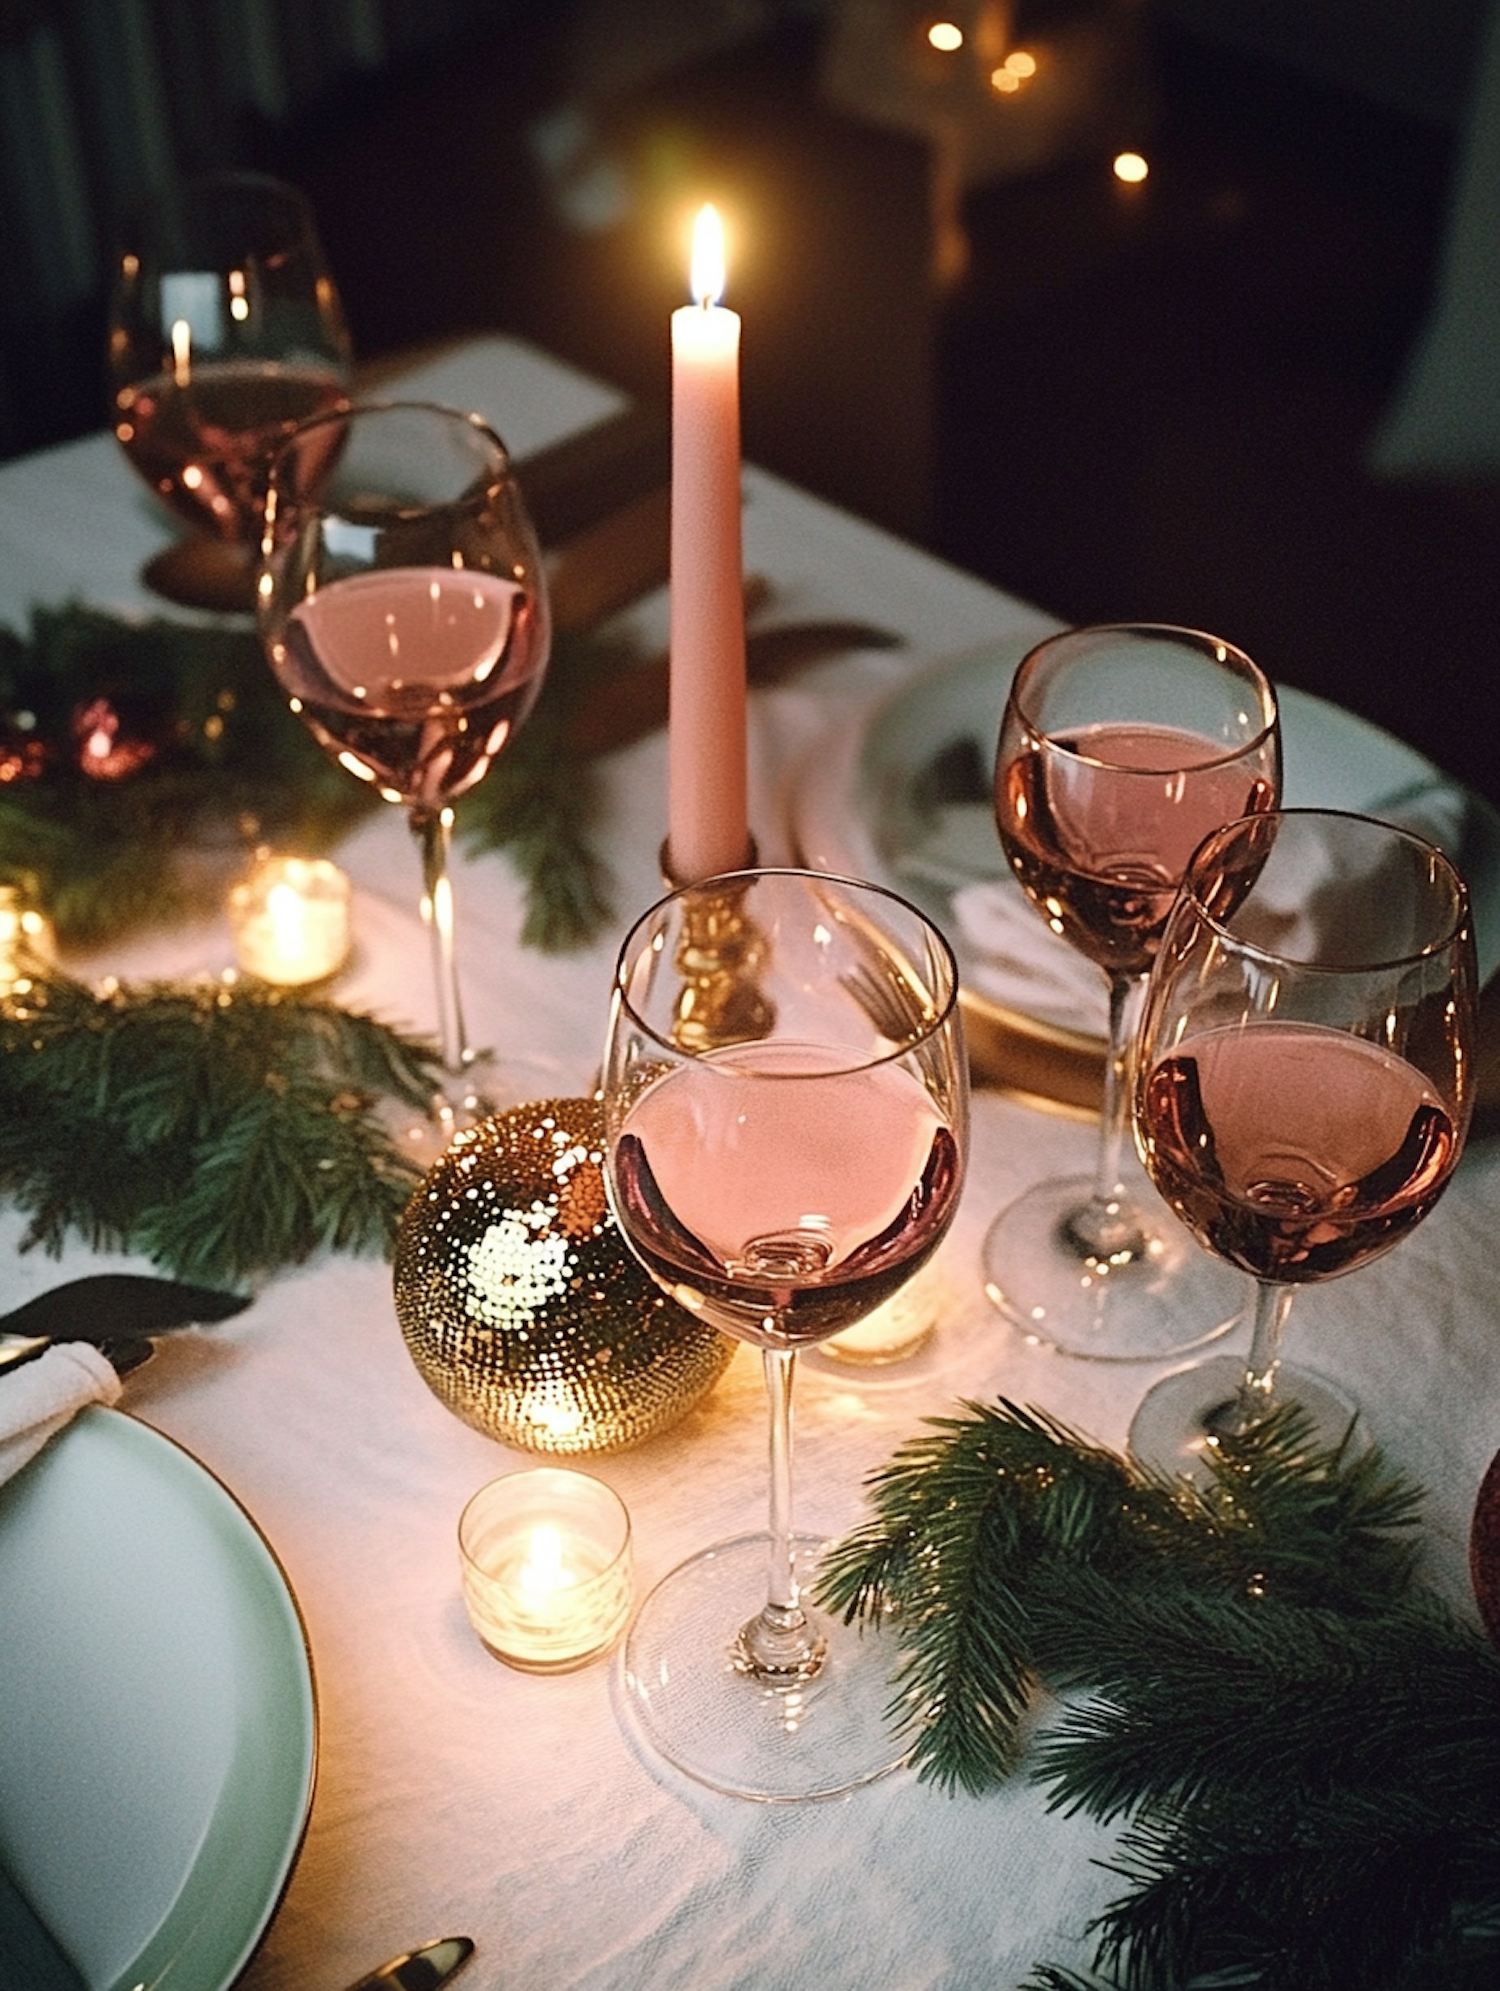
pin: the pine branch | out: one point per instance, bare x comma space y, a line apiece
1282, 1904
1193, 1690
229, 766
223, 1131
539, 802
976, 1524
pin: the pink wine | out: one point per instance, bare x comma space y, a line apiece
204, 446
1099, 825
414, 678
1295, 1151
784, 1200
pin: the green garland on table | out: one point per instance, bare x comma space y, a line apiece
222, 1129
1304, 1741
129, 750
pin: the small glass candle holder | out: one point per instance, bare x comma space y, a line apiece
290, 917
26, 938
895, 1331
546, 1564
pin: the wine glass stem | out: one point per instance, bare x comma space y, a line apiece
1107, 1227
433, 829
779, 1646
1257, 1390
781, 1588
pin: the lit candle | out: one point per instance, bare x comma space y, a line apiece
291, 920
26, 940
545, 1559
708, 822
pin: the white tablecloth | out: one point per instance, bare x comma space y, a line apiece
457, 1796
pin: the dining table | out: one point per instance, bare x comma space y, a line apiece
455, 1794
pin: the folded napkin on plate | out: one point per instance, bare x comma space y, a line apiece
37, 1399
1014, 960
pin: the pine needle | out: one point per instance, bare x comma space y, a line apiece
1304, 1746
229, 766
224, 1131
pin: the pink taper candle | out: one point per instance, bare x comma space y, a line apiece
708, 823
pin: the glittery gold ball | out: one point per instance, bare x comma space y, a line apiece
521, 1304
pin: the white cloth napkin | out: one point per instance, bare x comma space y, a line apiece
38, 1399
1012, 958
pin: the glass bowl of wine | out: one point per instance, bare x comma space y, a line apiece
225, 332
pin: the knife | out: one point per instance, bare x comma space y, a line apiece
419, 1970
114, 1311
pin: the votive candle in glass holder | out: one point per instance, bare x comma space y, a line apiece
898, 1328
290, 917
26, 938
545, 1556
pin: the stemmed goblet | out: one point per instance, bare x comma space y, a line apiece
404, 610
225, 331
786, 1115
1305, 1082
1121, 747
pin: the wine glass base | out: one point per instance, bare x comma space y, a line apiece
695, 1705
203, 572
1169, 1429
1168, 1300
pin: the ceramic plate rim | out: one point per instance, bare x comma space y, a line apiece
207, 1947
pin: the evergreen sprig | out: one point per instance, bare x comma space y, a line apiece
1304, 1744
223, 1130
539, 802
230, 766
976, 1526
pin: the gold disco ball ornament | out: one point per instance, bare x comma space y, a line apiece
521, 1304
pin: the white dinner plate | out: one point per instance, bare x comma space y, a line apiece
158, 1727
904, 800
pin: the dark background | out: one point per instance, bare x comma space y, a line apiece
1155, 402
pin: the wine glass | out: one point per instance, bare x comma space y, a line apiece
786, 1121
1306, 1073
1122, 745
404, 610
225, 332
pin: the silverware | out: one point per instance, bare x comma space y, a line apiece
419, 1970
117, 1312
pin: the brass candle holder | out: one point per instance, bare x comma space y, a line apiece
718, 957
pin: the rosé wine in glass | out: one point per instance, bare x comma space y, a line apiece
403, 608
414, 678
225, 332
1121, 747
1305, 1081
780, 1180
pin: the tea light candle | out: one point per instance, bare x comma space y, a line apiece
545, 1558
291, 920
897, 1328
26, 938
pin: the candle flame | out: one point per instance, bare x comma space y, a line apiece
542, 1571
707, 269
285, 907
